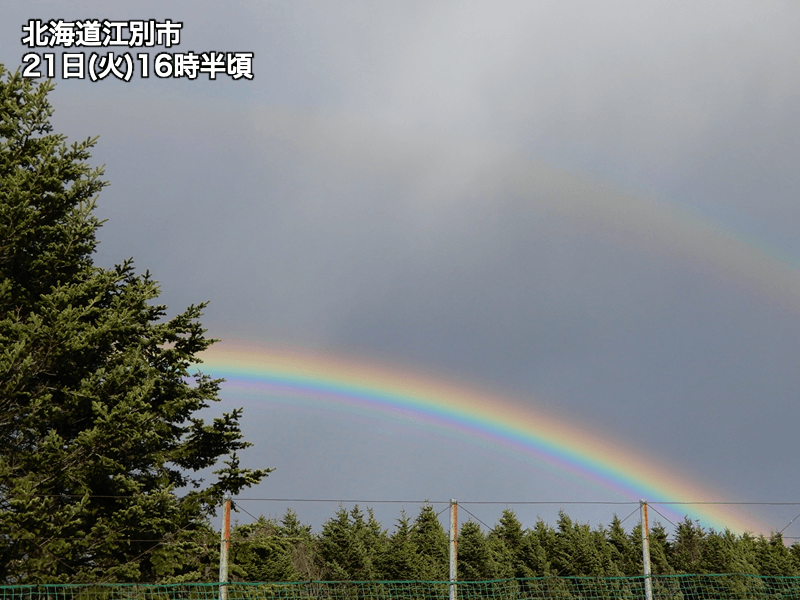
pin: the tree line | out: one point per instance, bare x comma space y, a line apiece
353, 546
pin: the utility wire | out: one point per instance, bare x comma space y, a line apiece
533, 502
479, 502
477, 519
790, 522
731, 503
629, 516
247, 513
663, 517
342, 501
518, 502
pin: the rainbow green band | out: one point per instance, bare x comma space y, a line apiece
344, 384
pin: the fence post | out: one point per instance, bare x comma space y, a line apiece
453, 547
224, 546
648, 583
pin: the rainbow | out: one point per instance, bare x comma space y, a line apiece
338, 382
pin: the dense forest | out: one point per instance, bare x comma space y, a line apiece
353, 545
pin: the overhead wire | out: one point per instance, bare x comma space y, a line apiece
789, 523
662, 516
519, 502
462, 503
477, 519
477, 502
633, 512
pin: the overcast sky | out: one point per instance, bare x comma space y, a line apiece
589, 206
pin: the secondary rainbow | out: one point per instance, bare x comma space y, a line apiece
337, 382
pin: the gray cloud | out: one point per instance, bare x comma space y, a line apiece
479, 192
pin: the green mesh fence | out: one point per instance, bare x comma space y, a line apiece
665, 587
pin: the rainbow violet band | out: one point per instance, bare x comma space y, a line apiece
343, 383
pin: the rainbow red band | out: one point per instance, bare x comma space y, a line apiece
365, 386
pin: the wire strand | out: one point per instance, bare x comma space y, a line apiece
477, 502
662, 516
629, 516
790, 522
478, 520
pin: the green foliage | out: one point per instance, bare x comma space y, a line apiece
511, 547
719, 555
626, 554
261, 551
430, 543
542, 543
474, 556
351, 546
580, 550
772, 556
659, 546
687, 549
401, 561
302, 545
98, 404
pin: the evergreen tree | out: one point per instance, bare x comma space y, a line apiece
659, 544
302, 545
724, 553
474, 556
259, 552
773, 557
686, 551
794, 550
335, 548
98, 425
578, 549
542, 548
501, 558
291, 528
509, 545
376, 543
627, 555
190, 555
430, 543
744, 553
509, 529
351, 547
401, 561
659, 548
